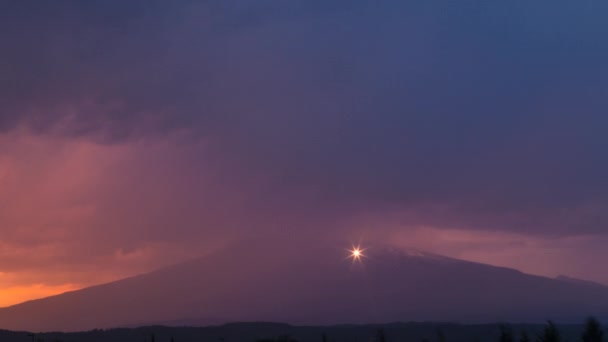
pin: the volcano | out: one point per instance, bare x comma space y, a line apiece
318, 285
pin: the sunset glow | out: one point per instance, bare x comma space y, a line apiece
319, 162
18, 294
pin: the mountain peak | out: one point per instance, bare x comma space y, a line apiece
581, 281
315, 286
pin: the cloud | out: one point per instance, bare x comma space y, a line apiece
77, 213
135, 135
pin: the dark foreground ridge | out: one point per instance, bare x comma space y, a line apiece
278, 332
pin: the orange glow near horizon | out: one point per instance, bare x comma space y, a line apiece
19, 294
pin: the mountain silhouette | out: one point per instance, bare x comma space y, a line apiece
314, 285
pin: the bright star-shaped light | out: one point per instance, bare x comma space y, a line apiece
356, 253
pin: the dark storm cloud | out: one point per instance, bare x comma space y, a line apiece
473, 115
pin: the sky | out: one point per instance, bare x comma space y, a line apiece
138, 134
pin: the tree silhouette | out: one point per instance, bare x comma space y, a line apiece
380, 337
593, 331
440, 335
524, 337
506, 334
282, 338
550, 334
324, 337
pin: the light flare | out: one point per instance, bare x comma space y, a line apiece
356, 253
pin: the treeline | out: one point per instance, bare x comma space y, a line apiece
592, 333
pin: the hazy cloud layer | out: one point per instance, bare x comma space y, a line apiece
137, 134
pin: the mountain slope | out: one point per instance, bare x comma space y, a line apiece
314, 286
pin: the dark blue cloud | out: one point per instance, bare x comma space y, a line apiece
494, 110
